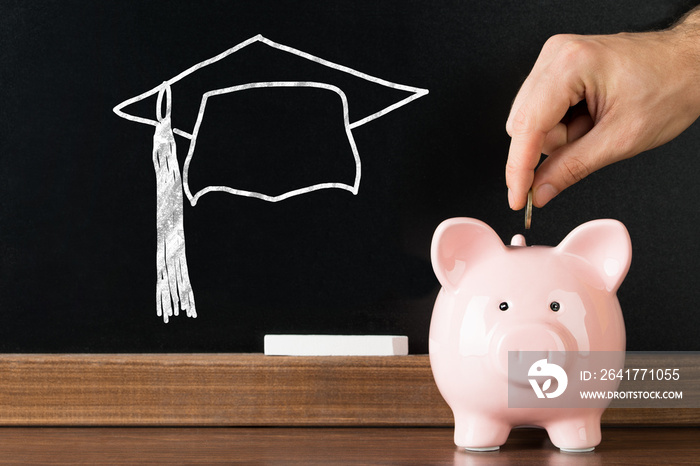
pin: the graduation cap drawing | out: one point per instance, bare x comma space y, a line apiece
200, 87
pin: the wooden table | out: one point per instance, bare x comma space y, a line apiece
331, 446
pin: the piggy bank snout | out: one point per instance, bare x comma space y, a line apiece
547, 341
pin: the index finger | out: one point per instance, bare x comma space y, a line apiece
544, 106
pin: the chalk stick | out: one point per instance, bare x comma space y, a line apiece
336, 345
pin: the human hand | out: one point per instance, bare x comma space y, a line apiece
590, 101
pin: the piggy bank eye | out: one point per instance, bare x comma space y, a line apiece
555, 306
503, 306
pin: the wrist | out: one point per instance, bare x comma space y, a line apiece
685, 36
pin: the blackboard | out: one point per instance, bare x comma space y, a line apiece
78, 190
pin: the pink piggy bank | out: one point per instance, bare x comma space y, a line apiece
497, 299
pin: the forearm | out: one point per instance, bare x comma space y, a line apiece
690, 19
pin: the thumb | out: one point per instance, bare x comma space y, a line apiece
573, 162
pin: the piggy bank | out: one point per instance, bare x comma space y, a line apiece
499, 300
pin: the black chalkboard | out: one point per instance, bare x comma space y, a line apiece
78, 190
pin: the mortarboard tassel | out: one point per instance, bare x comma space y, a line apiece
173, 288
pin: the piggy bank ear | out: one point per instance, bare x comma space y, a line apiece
603, 244
457, 244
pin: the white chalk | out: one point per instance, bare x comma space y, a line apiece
336, 345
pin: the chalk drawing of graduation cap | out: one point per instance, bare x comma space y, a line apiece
218, 77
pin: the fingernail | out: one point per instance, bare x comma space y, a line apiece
510, 198
544, 194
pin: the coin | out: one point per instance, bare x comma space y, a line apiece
528, 210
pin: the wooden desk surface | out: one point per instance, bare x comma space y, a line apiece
331, 445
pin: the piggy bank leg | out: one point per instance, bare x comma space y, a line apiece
480, 433
576, 434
